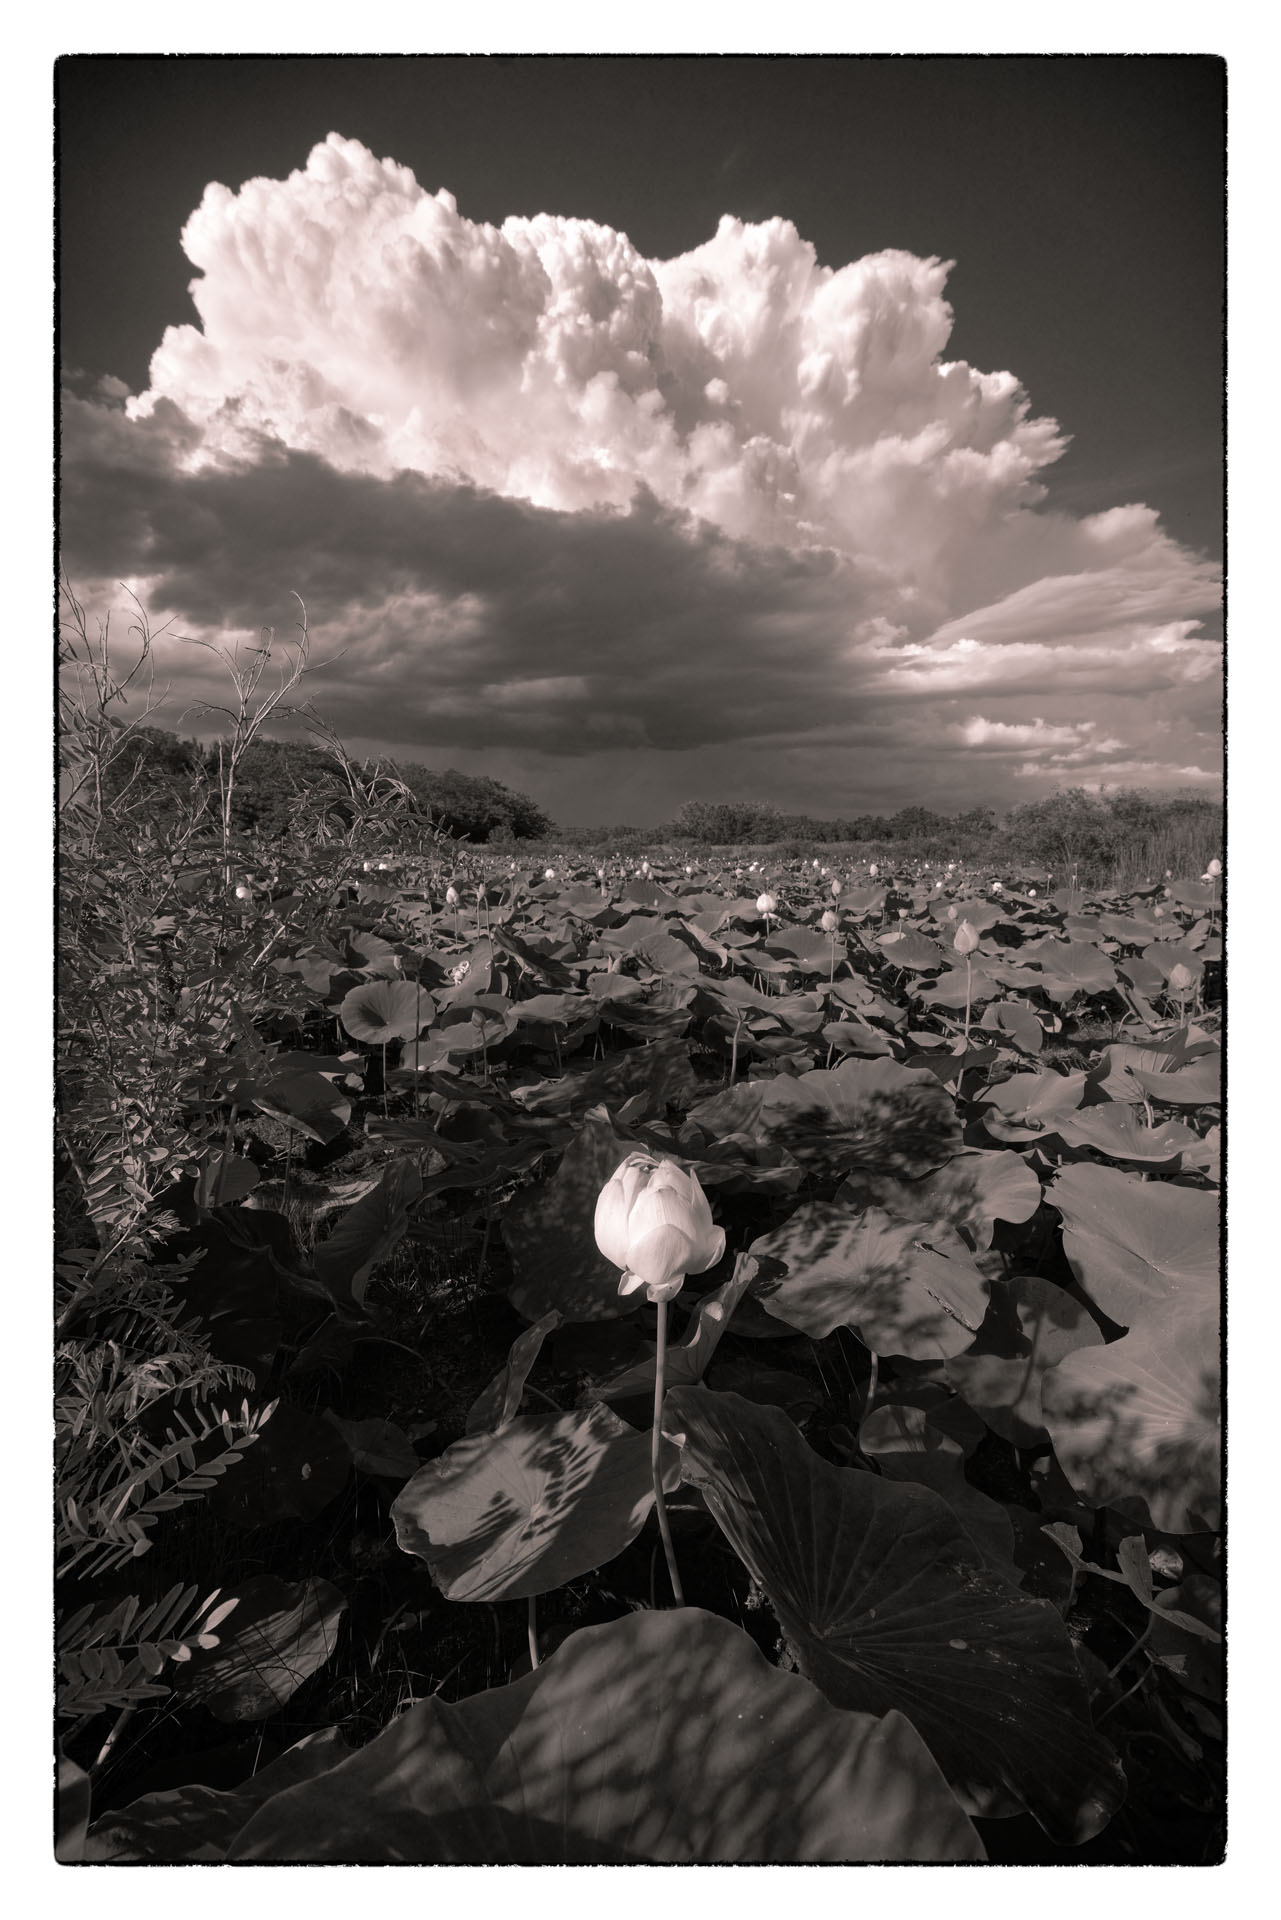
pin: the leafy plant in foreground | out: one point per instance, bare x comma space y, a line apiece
969, 1281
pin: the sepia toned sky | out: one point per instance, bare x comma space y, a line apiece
842, 433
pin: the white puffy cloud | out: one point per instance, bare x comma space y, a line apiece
554, 497
347, 311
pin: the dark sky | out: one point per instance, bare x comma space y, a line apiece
732, 493
1081, 197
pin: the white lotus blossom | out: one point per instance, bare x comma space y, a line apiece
654, 1222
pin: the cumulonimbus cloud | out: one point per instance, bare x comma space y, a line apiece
562, 495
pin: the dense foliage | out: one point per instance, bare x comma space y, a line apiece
279, 777
1125, 835
357, 1555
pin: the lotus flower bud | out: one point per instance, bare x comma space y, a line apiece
451, 896
1180, 978
689, 872
550, 874
1158, 913
1031, 893
829, 922
836, 889
966, 938
767, 903
815, 866
1214, 869
996, 886
243, 893
951, 913
874, 869
653, 1221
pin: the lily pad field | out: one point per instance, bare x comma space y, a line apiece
672, 1361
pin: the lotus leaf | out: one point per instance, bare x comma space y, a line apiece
1138, 1248
904, 1288
659, 1738
888, 1607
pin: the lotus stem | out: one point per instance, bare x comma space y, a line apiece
418, 1015
484, 1244
118, 1726
871, 1386
655, 1453
531, 1621
969, 990
227, 1145
1134, 1647
1033, 1349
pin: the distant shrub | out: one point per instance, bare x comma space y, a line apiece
280, 780
474, 807
726, 823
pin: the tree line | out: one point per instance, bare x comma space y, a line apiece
279, 778
1135, 831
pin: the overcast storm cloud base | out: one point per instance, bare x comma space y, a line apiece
613, 528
